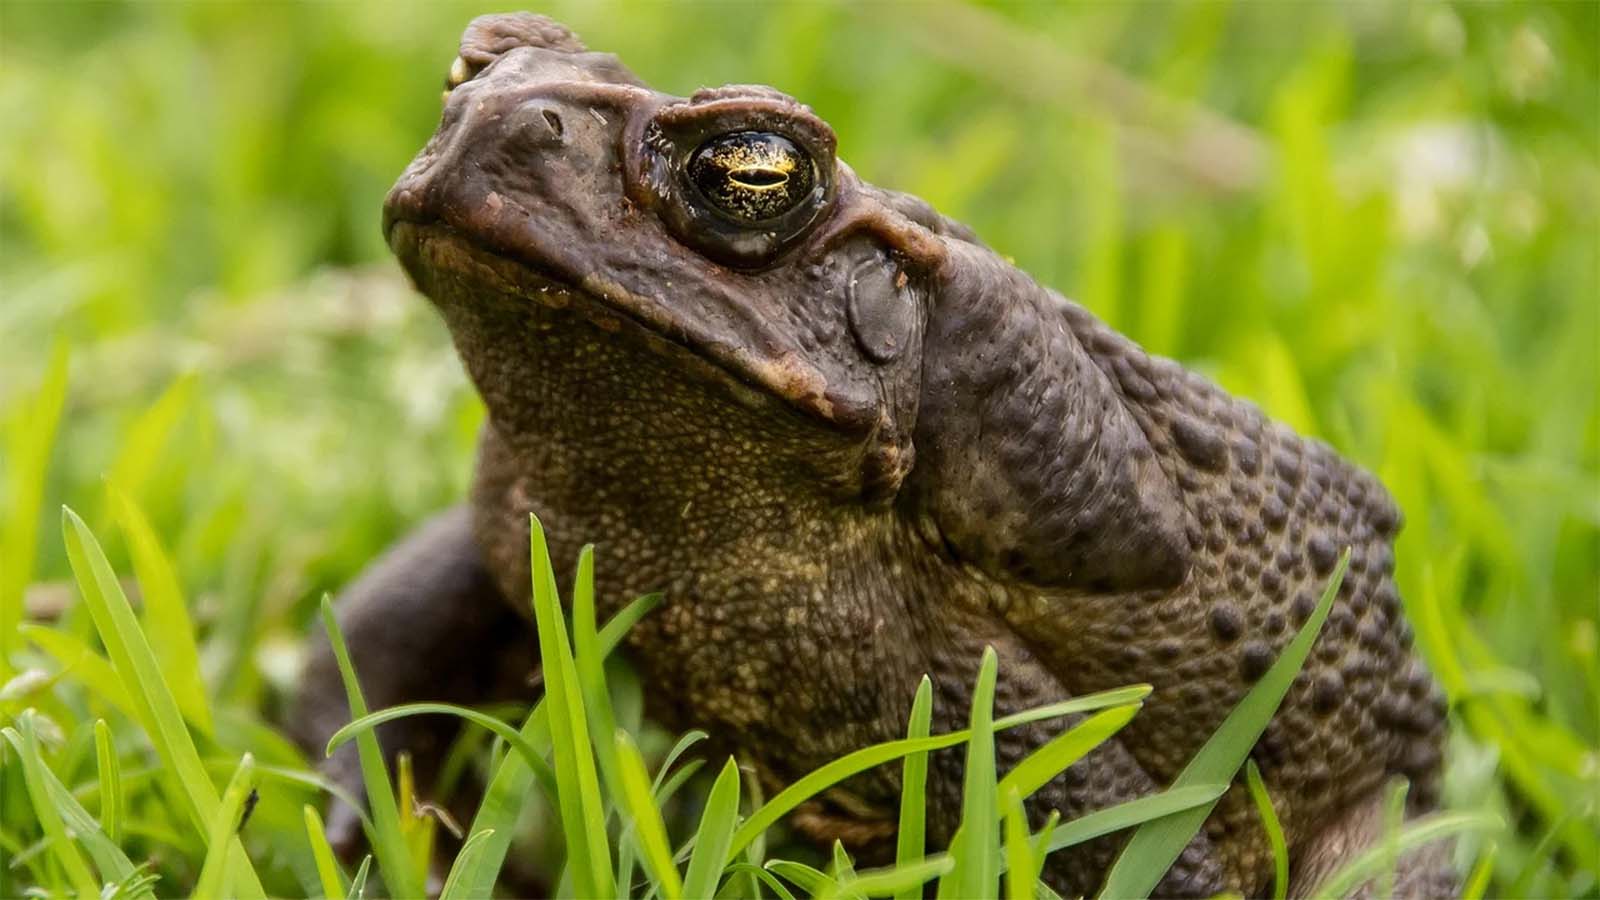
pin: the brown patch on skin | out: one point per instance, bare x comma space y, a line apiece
792, 378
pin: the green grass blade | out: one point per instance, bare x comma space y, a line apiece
778, 888
1039, 767
828, 775
1131, 813
1021, 870
1394, 815
328, 874
1152, 849
1476, 885
358, 884
388, 842
141, 447
686, 741
1039, 843
591, 663
972, 847
1371, 862
166, 617
223, 856
843, 868
1273, 828
911, 839
714, 835
512, 778
578, 785
756, 852
677, 780
110, 774
466, 859
832, 773
416, 827
891, 881
108, 858
136, 665
61, 844
85, 666
1087, 703
808, 879
29, 434
542, 772
641, 808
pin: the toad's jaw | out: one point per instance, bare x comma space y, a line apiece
430, 249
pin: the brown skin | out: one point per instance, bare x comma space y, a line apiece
852, 446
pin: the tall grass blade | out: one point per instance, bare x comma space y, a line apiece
578, 786
512, 778
641, 809
136, 665
891, 881
973, 845
1152, 849
591, 663
677, 780
108, 858
1039, 767
417, 828
535, 761
1122, 696
466, 859
1273, 828
1132, 812
1476, 885
166, 617
85, 665
28, 436
358, 884
141, 446
843, 867
832, 773
328, 874
388, 843
1371, 862
61, 844
715, 834
684, 743
814, 882
223, 856
761, 874
1021, 870
828, 775
911, 838
109, 771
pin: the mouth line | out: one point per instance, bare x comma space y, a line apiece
590, 300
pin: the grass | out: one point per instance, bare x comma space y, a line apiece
601, 825
1376, 221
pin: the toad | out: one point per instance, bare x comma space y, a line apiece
852, 445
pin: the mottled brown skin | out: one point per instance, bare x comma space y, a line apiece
852, 446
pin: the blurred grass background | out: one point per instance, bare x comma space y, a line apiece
1380, 221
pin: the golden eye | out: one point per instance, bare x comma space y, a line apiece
752, 176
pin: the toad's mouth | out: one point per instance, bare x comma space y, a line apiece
444, 264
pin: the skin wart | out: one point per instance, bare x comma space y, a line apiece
853, 447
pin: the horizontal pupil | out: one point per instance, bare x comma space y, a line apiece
757, 177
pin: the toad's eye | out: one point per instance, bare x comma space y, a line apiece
752, 176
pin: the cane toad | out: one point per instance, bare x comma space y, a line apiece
852, 445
